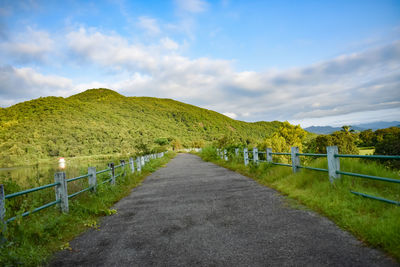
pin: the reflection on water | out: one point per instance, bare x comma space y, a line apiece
61, 163
41, 174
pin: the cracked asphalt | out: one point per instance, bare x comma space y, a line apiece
195, 213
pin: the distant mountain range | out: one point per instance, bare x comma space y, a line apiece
359, 127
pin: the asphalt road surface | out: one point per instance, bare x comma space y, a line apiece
195, 213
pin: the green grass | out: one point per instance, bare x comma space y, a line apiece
366, 150
32, 240
373, 222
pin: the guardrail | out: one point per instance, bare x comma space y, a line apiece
61, 188
333, 158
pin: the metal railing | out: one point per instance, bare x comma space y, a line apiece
60, 185
333, 158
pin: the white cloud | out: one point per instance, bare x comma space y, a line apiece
230, 115
149, 24
109, 50
17, 84
367, 81
192, 6
28, 46
169, 44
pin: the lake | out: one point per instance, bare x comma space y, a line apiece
43, 173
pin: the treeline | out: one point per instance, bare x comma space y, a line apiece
101, 121
384, 141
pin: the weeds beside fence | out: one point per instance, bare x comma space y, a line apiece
333, 159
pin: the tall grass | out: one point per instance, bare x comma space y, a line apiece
373, 222
31, 241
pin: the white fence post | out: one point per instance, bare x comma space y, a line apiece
255, 155
92, 178
268, 152
61, 191
237, 152
295, 158
246, 156
131, 164
122, 161
138, 164
333, 162
142, 162
225, 155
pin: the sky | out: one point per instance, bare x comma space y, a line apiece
307, 62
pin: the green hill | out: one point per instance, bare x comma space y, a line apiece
101, 121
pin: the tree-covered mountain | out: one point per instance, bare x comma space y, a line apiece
101, 121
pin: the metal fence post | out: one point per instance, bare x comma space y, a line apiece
255, 155
61, 191
131, 165
333, 162
138, 164
268, 152
92, 178
122, 161
112, 172
246, 156
295, 158
225, 155
2, 205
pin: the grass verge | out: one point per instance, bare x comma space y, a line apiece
373, 222
32, 240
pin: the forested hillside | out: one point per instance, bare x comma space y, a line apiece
101, 121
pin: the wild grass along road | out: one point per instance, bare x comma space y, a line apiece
196, 213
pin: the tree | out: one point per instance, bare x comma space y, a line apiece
288, 136
346, 128
389, 144
176, 144
367, 137
343, 140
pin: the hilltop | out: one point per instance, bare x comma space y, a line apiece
101, 121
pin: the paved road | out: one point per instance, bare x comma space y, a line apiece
194, 213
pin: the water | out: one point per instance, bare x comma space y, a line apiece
41, 174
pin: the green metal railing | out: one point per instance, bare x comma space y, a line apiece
16, 194
279, 153
311, 154
312, 168
367, 156
333, 167
30, 190
78, 178
281, 164
3, 197
35, 210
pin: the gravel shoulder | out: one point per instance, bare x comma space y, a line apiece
195, 213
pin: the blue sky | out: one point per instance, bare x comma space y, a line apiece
308, 62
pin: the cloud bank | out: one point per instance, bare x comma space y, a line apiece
359, 82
